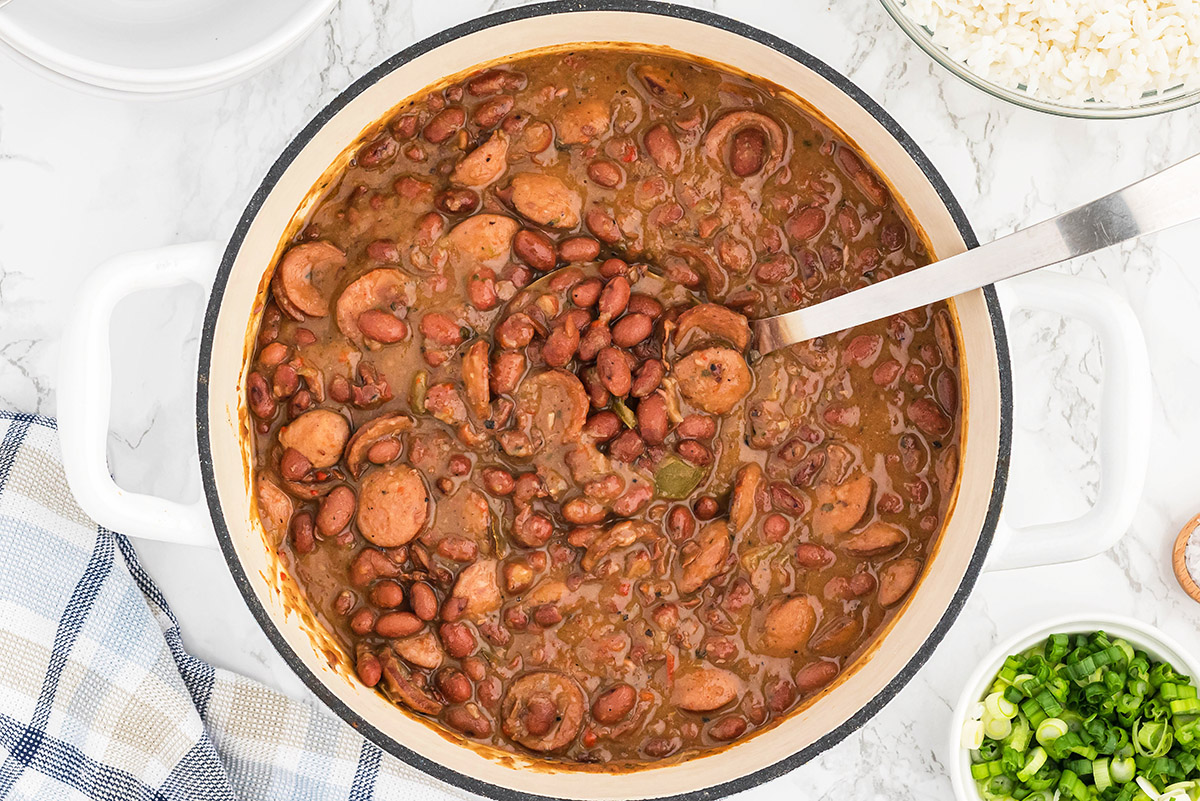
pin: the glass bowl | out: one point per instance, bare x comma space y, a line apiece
1150, 103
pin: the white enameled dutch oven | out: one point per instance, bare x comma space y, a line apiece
974, 526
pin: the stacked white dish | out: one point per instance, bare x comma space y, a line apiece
153, 48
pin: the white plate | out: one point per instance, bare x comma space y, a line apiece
157, 46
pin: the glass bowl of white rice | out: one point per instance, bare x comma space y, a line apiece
1078, 58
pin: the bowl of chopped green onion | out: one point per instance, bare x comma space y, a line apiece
1080, 709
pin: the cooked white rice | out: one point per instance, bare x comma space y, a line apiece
1110, 51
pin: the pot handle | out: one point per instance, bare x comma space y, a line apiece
85, 390
1125, 418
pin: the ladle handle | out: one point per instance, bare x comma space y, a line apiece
1163, 200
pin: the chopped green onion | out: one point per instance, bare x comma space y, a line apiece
1122, 770
999, 707
996, 728
972, 735
1050, 730
1111, 723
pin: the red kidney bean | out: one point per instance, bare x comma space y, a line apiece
747, 154
587, 292
680, 523
301, 531
648, 378
612, 705
577, 318
481, 289
706, 508
456, 201
582, 511
644, 304
507, 368
626, 447
339, 389
516, 331
695, 452
368, 668
490, 112
633, 500
286, 381
397, 624
614, 371
336, 510
363, 622
602, 225
806, 224
383, 451
776, 527
697, 426
454, 685
664, 148
374, 154
444, 124
262, 405
811, 555
594, 339
535, 249
815, 676
547, 615
458, 549
441, 329
602, 426
457, 638
631, 329
611, 268
652, 419
382, 327
561, 345
294, 465
533, 530
727, 729
578, 249
274, 354
498, 482
614, 298
387, 594
344, 602
606, 173
786, 500
423, 601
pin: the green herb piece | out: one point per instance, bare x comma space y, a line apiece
676, 479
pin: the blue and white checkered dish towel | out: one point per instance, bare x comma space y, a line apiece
99, 699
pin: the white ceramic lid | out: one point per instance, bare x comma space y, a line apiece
152, 46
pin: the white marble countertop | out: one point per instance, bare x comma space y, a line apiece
82, 179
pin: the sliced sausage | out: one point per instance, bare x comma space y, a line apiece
787, 625
709, 558
714, 379
703, 689
385, 428
393, 505
484, 164
877, 538
484, 238
896, 579
384, 289
839, 507
320, 435
478, 586
543, 711
546, 200
306, 273
709, 322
